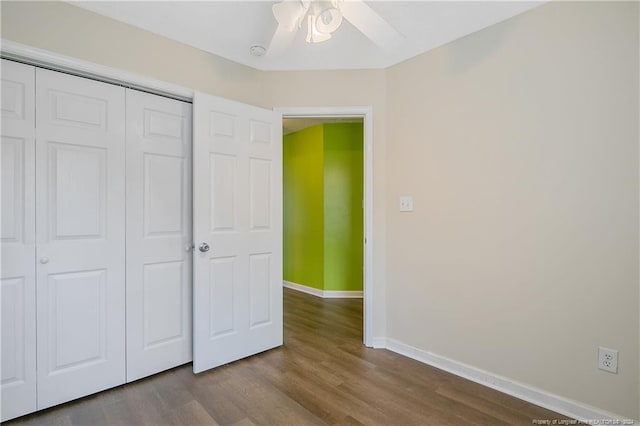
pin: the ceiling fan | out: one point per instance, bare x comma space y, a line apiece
323, 17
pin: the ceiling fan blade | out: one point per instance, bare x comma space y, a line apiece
369, 23
280, 41
289, 13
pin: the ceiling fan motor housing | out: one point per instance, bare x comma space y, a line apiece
324, 18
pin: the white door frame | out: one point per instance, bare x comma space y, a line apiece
365, 112
39, 57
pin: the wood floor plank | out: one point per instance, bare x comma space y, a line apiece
145, 402
222, 406
191, 413
323, 397
322, 375
244, 422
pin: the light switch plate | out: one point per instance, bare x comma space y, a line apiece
406, 204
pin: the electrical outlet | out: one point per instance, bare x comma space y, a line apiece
608, 359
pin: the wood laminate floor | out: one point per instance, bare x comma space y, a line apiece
322, 375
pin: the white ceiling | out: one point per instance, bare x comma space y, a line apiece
229, 28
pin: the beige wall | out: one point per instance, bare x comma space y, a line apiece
520, 146
72, 31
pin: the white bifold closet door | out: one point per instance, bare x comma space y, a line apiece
237, 231
18, 279
80, 222
98, 273
159, 248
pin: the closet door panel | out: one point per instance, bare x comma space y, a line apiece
159, 263
17, 234
80, 156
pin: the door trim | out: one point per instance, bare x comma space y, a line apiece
365, 112
69, 65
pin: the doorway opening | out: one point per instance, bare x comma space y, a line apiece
332, 227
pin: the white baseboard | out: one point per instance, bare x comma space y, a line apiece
379, 343
522, 391
302, 288
335, 294
325, 294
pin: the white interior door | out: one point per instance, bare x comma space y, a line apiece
80, 222
159, 249
18, 271
237, 231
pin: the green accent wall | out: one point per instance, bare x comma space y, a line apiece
323, 215
303, 193
343, 213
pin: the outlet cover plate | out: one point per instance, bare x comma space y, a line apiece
608, 359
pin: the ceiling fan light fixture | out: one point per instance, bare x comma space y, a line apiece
329, 20
323, 19
313, 35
